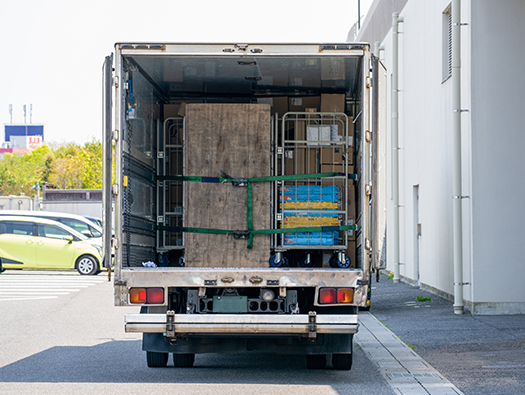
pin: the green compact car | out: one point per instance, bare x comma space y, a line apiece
39, 243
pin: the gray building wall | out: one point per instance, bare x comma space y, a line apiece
493, 141
378, 21
498, 153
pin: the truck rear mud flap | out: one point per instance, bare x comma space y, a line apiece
308, 325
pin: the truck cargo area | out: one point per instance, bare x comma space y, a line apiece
242, 185
224, 153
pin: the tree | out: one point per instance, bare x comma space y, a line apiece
19, 172
68, 166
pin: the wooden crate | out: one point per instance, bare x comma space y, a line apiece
235, 139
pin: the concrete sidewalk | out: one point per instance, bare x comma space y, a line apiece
424, 348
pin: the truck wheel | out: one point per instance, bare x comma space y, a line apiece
342, 361
316, 361
157, 359
183, 360
87, 265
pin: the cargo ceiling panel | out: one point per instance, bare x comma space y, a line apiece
251, 76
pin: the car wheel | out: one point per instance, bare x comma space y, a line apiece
183, 360
87, 265
316, 361
157, 359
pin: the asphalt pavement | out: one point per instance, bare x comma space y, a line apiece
467, 354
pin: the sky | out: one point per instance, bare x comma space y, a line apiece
53, 50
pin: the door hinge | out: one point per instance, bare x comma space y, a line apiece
116, 81
368, 244
114, 189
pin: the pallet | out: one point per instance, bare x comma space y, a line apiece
234, 139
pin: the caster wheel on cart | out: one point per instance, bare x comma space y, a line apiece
282, 262
339, 261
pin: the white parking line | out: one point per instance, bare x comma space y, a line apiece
405, 371
31, 298
33, 287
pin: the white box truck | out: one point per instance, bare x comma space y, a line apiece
249, 195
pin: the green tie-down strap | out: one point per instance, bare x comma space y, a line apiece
248, 234
248, 183
245, 181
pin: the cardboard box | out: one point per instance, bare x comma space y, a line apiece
331, 168
312, 162
333, 102
175, 202
300, 103
289, 162
175, 162
351, 252
171, 110
352, 204
176, 108
182, 109
332, 155
278, 105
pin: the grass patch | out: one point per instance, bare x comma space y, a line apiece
421, 298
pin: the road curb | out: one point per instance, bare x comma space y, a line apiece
405, 371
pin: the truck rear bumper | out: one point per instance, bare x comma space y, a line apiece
230, 324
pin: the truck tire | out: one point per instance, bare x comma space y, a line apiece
157, 359
342, 361
316, 361
87, 265
183, 360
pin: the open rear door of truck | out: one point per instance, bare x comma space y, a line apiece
379, 119
107, 76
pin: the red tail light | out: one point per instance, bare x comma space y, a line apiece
327, 296
336, 295
155, 295
146, 295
